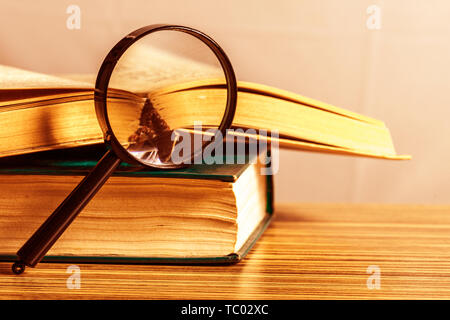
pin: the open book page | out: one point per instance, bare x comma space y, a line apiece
145, 68
264, 90
80, 77
14, 78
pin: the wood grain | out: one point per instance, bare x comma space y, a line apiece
311, 251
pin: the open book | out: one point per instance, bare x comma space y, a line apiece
42, 112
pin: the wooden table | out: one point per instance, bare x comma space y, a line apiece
310, 251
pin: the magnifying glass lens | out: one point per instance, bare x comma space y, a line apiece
166, 97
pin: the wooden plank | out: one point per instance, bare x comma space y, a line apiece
311, 251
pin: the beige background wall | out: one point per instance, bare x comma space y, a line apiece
322, 49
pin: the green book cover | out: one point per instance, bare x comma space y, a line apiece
80, 160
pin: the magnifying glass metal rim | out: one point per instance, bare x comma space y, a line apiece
107, 68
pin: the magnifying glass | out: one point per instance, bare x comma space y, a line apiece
140, 73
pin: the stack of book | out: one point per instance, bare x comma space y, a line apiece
50, 139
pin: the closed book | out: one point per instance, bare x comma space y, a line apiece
198, 214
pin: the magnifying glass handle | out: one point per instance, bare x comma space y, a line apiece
43, 239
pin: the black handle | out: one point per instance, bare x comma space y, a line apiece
43, 239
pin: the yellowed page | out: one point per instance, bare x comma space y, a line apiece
143, 69
15, 78
261, 89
